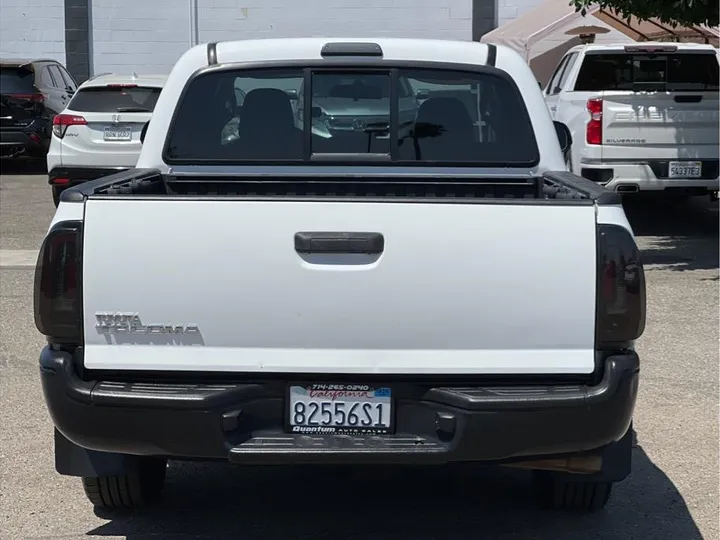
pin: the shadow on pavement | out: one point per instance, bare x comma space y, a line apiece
682, 236
22, 166
221, 501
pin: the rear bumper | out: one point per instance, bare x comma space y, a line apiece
649, 176
70, 176
32, 139
244, 423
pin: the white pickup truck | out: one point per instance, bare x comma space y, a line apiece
644, 118
414, 288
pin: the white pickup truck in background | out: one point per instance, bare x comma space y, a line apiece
352, 279
644, 117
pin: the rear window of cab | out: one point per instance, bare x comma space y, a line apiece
352, 115
682, 71
115, 98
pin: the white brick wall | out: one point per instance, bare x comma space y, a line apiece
149, 35
145, 36
233, 19
32, 28
507, 10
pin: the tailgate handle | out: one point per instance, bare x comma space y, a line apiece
688, 99
339, 242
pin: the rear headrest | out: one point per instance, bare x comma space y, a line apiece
267, 108
449, 113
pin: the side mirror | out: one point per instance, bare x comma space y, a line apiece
293, 94
564, 136
69, 90
144, 131
316, 112
422, 94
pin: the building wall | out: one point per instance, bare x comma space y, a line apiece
507, 10
145, 36
149, 35
32, 28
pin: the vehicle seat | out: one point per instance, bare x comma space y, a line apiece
443, 130
267, 127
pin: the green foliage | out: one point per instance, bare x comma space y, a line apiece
671, 12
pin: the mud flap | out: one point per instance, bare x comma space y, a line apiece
74, 460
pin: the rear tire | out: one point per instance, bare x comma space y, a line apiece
553, 492
139, 487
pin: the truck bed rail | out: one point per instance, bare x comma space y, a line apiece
466, 188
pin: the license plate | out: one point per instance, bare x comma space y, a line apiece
117, 134
339, 408
685, 169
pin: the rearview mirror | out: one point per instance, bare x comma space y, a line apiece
564, 136
144, 131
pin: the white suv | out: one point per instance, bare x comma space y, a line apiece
99, 131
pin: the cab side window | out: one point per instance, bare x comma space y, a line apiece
552, 83
561, 73
566, 73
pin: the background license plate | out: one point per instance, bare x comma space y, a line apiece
115, 134
685, 169
339, 408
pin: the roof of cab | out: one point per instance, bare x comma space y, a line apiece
155, 81
309, 48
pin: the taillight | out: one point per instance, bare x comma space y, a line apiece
621, 288
62, 121
57, 296
593, 131
129, 85
36, 97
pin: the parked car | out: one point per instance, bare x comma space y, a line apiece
644, 117
268, 300
99, 131
348, 106
32, 92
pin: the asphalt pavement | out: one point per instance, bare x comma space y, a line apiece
672, 493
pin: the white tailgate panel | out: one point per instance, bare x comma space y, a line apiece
477, 288
652, 125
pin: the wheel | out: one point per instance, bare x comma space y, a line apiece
554, 492
139, 487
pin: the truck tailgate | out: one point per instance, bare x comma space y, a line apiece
217, 285
660, 125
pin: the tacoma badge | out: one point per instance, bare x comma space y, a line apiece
108, 322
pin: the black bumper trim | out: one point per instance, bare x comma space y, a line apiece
20, 140
78, 175
245, 422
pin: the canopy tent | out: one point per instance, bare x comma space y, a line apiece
538, 35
